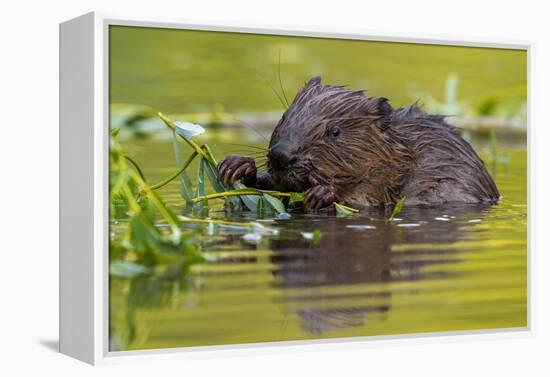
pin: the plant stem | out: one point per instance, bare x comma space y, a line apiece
218, 222
176, 174
354, 210
210, 154
159, 204
238, 193
135, 164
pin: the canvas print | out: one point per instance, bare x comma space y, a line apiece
267, 188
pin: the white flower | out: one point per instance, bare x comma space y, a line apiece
188, 130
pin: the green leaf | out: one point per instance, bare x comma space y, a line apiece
212, 172
260, 208
296, 197
250, 201
200, 179
275, 203
126, 269
202, 206
185, 185
214, 178
342, 210
397, 208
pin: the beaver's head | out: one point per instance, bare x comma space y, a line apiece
330, 135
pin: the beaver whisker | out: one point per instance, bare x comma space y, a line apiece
247, 153
247, 146
272, 89
280, 82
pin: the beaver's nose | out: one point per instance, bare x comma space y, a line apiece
280, 156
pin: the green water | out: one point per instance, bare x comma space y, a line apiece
177, 71
454, 268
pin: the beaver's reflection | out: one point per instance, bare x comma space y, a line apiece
339, 283
315, 277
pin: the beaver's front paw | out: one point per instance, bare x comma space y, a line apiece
233, 168
319, 197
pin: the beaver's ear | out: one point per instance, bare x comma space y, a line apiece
378, 106
314, 81
380, 109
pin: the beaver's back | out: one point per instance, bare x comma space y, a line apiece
446, 169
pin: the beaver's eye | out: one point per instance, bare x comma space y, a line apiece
334, 131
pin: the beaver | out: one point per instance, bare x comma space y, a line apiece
339, 145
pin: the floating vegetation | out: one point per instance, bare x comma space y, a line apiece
397, 208
143, 245
342, 210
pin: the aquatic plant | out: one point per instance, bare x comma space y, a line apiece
234, 196
397, 208
143, 244
450, 105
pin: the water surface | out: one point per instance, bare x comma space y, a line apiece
433, 269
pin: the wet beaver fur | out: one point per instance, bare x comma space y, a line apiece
339, 145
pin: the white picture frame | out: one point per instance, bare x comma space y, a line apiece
84, 190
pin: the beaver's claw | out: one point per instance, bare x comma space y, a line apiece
319, 197
233, 168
